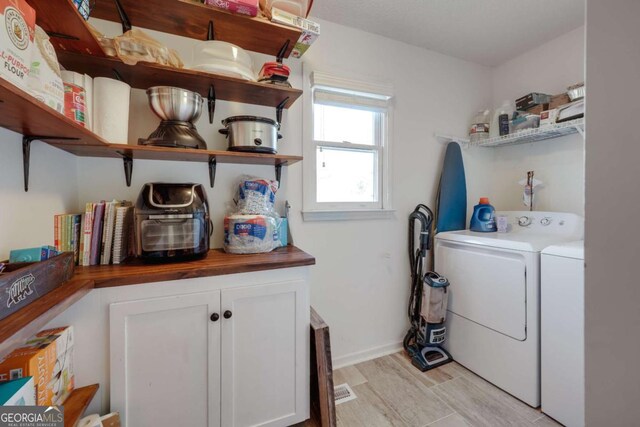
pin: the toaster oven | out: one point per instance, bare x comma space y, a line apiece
172, 222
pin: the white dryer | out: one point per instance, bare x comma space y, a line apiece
493, 326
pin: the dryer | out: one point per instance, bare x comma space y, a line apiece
494, 302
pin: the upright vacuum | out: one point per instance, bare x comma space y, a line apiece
428, 301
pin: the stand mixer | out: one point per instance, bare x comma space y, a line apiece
178, 109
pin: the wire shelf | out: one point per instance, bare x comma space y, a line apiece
538, 134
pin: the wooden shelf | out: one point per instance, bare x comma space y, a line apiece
22, 113
77, 403
191, 19
17, 328
216, 263
64, 19
118, 151
144, 75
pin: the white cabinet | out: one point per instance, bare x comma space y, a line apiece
233, 357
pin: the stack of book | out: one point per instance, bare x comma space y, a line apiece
102, 235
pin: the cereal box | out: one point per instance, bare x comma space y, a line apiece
48, 358
17, 29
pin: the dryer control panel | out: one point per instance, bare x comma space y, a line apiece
557, 223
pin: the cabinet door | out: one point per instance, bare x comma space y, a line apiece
265, 355
165, 361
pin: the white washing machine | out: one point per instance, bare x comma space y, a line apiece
493, 324
562, 332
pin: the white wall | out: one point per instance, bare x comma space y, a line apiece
26, 219
612, 293
361, 282
559, 163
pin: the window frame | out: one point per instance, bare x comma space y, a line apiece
358, 89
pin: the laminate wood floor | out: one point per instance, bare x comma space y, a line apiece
391, 392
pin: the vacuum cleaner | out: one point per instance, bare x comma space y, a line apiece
428, 300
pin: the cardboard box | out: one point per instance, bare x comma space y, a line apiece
48, 358
20, 392
548, 117
17, 29
243, 7
559, 100
525, 103
310, 30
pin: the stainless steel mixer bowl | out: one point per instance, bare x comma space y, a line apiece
173, 103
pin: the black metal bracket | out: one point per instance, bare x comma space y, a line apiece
210, 33
126, 23
279, 109
26, 152
211, 101
117, 75
278, 173
283, 51
128, 166
61, 35
213, 164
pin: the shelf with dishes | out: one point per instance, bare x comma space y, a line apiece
145, 75
22, 113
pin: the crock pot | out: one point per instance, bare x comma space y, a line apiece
251, 133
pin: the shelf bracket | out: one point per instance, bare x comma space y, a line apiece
117, 75
61, 35
283, 51
213, 163
126, 23
279, 109
211, 100
26, 152
580, 130
210, 32
278, 173
127, 161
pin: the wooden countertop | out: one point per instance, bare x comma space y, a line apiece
21, 325
216, 263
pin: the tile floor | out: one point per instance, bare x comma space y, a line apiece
391, 392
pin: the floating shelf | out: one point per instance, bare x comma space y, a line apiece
538, 134
77, 403
191, 19
144, 75
18, 327
66, 26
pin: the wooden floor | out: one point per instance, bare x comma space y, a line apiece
391, 392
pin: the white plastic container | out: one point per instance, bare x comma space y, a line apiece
224, 58
479, 130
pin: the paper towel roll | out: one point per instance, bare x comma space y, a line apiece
111, 109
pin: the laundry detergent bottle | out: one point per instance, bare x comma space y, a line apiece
484, 217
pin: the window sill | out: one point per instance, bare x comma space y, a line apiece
346, 215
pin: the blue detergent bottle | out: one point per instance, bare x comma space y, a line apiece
484, 217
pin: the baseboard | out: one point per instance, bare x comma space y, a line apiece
363, 356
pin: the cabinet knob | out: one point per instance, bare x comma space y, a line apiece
215, 317
227, 314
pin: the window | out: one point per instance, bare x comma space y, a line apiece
347, 148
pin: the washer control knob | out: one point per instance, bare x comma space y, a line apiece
546, 221
524, 221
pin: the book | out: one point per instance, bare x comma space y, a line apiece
122, 233
87, 231
80, 240
107, 232
75, 236
56, 232
96, 235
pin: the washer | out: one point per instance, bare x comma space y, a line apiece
562, 333
494, 302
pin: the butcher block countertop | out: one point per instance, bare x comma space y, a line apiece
21, 325
216, 263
